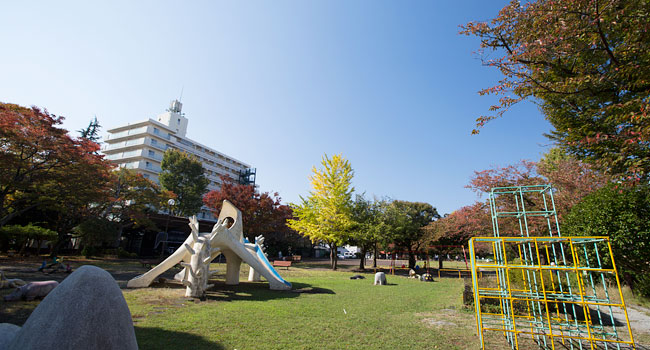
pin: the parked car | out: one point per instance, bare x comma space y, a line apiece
340, 256
349, 255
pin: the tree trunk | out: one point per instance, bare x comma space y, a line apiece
362, 261
374, 257
119, 236
57, 247
411, 259
23, 248
440, 259
333, 256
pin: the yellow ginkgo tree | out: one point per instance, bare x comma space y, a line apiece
325, 215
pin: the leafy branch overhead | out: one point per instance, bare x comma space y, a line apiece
587, 65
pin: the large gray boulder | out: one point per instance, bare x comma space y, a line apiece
7, 334
86, 311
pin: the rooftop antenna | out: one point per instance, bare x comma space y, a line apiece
181, 98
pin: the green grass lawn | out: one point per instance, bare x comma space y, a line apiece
326, 310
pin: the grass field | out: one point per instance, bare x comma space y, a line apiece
326, 310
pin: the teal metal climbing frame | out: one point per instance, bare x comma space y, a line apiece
545, 289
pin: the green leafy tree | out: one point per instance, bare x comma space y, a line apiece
325, 215
96, 232
404, 224
366, 226
586, 63
23, 236
620, 212
183, 175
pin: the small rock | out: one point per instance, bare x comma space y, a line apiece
380, 278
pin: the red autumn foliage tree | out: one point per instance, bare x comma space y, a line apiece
587, 64
570, 178
457, 228
130, 199
263, 213
41, 167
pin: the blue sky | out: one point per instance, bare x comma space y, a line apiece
389, 84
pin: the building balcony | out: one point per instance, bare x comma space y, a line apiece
126, 133
157, 132
124, 144
154, 168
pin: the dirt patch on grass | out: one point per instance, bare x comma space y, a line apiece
445, 318
438, 323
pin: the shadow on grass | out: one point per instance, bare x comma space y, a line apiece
157, 338
594, 316
16, 312
599, 346
258, 291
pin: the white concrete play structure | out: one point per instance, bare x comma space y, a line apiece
200, 248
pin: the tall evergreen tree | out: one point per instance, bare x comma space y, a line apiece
91, 132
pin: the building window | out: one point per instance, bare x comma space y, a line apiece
152, 153
154, 142
146, 176
179, 120
156, 131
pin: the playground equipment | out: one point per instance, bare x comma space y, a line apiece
10, 282
551, 290
199, 249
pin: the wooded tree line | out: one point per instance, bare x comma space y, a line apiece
331, 215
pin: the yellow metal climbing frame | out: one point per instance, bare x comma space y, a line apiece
553, 291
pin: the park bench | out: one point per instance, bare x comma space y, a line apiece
281, 263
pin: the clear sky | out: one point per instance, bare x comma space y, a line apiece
389, 84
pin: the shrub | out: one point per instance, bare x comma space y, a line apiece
89, 251
622, 214
20, 236
123, 254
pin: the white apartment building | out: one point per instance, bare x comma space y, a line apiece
140, 146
